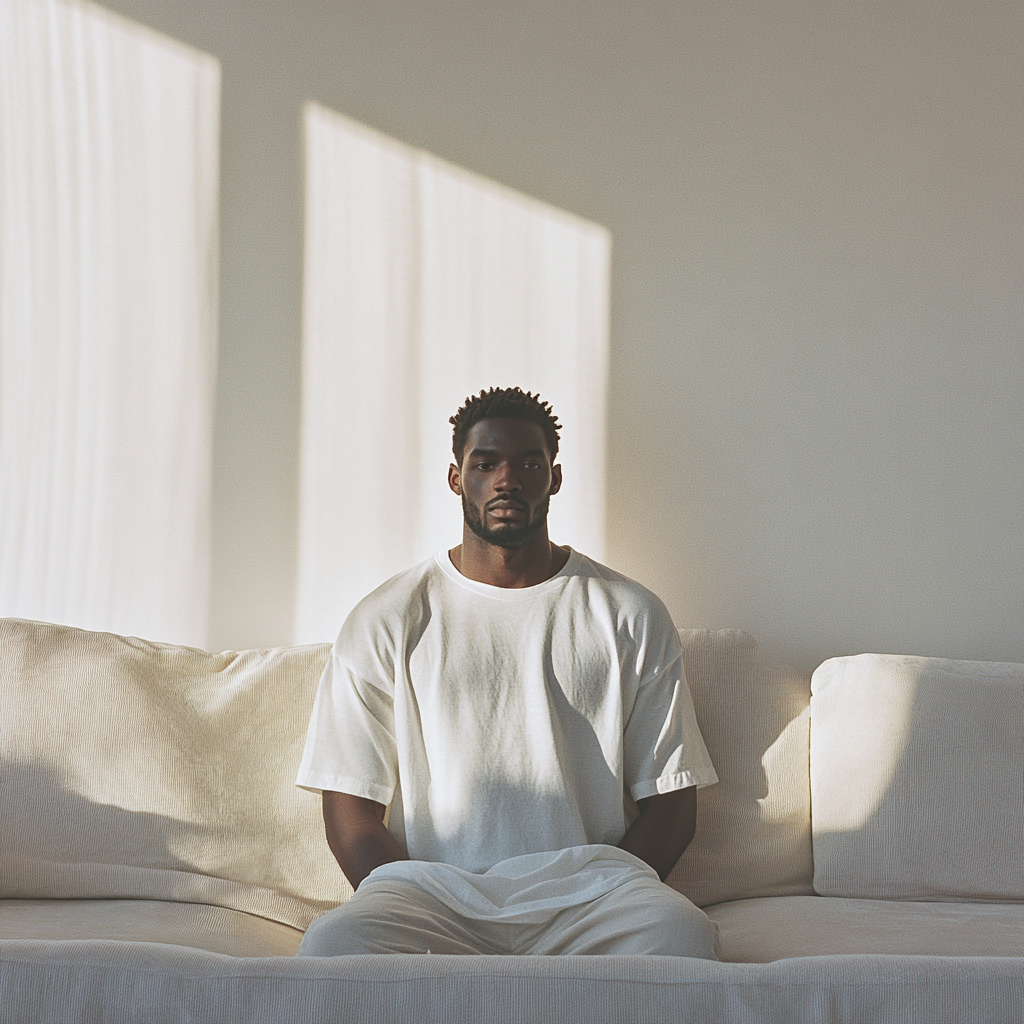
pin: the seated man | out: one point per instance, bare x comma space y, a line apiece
523, 712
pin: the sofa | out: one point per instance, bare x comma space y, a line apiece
157, 863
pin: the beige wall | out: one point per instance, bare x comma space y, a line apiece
817, 373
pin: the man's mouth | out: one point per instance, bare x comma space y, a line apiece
505, 509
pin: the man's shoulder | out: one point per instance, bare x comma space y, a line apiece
640, 622
624, 593
392, 603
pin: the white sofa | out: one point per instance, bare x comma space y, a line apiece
158, 864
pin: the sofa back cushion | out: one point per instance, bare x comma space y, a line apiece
917, 778
145, 770
754, 827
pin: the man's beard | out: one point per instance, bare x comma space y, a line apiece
506, 536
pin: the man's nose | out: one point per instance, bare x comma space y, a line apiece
506, 480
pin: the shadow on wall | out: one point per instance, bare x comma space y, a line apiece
918, 791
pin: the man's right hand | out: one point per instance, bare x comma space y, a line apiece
357, 836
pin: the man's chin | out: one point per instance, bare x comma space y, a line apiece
510, 537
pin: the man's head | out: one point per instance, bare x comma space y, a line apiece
504, 403
505, 442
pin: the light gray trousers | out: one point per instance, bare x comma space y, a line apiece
641, 916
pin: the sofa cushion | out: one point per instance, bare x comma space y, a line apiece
916, 778
762, 930
753, 828
197, 925
143, 770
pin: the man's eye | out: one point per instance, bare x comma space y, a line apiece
531, 465
483, 465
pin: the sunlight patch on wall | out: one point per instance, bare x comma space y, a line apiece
425, 283
108, 314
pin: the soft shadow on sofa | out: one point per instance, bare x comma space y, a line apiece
57, 843
753, 828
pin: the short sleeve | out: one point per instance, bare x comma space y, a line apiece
664, 750
350, 743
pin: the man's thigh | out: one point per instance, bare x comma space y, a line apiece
393, 917
641, 917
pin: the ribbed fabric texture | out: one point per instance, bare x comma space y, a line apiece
143, 770
917, 776
759, 931
198, 925
753, 827
123, 983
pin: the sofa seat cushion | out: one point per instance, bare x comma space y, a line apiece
197, 925
762, 930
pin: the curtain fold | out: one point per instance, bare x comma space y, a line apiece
108, 313
425, 283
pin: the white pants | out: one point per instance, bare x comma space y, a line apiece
641, 916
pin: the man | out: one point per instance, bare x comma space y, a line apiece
522, 711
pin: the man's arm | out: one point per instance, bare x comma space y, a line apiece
357, 836
663, 830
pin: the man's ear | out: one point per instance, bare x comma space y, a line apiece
455, 479
556, 479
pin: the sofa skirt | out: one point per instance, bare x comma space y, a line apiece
89, 982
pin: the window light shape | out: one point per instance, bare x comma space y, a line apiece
425, 283
109, 139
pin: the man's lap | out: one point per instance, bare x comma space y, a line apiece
393, 917
641, 916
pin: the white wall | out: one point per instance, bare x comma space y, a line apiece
817, 354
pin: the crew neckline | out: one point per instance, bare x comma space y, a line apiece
571, 567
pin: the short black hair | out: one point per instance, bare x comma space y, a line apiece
511, 402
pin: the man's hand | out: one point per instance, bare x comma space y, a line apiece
357, 836
663, 830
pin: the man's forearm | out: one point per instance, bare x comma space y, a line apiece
368, 851
663, 830
357, 836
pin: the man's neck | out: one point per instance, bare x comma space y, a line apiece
512, 568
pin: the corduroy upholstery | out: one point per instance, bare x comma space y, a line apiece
142, 770
753, 827
121, 983
763, 930
196, 925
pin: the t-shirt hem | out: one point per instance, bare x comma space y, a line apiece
342, 784
671, 783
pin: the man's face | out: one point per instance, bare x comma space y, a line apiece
505, 481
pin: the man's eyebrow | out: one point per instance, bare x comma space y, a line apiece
477, 452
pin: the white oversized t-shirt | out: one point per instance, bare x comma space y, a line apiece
502, 722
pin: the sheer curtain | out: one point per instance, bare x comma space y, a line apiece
423, 284
108, 292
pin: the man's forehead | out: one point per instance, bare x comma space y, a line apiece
506, 433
